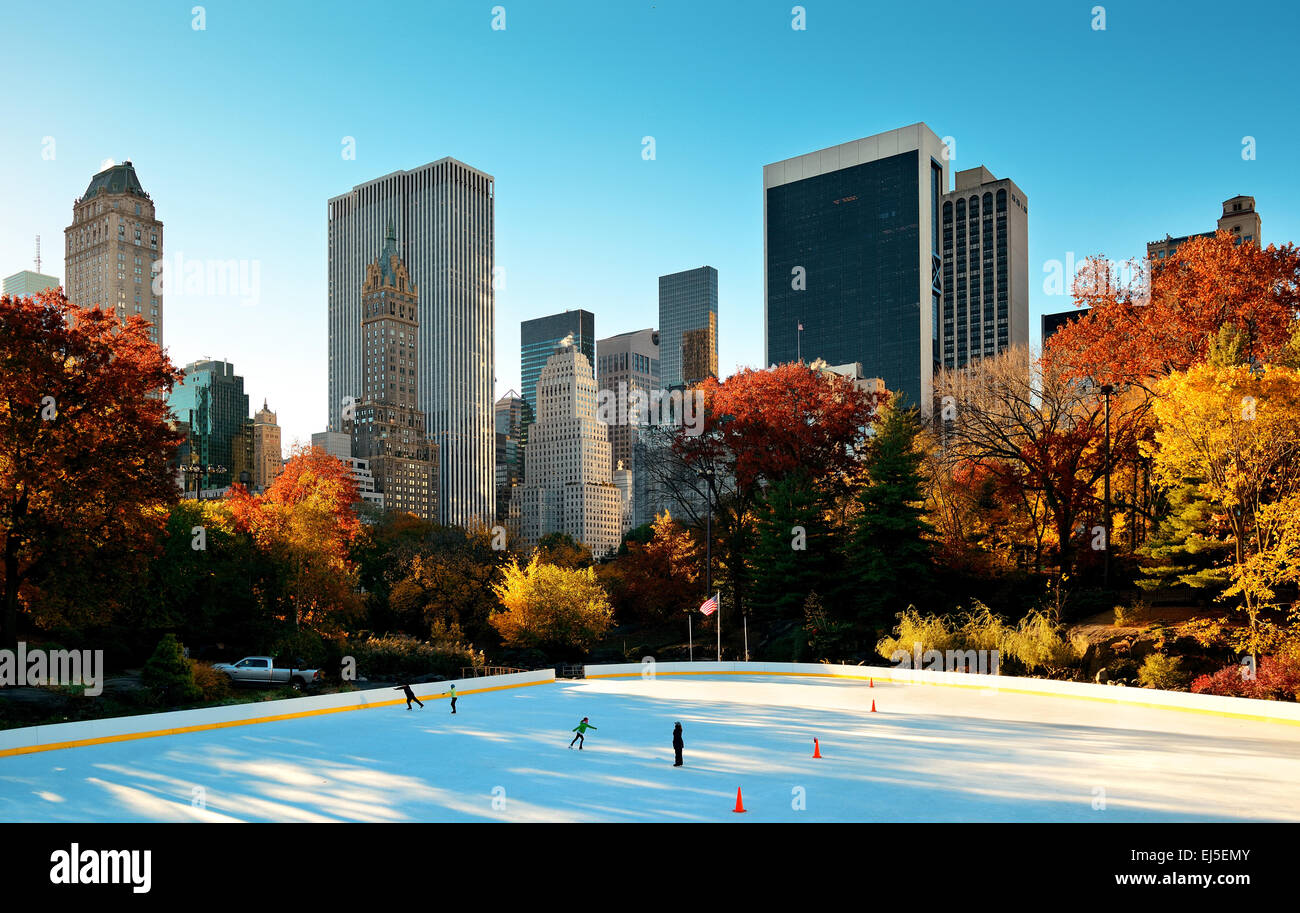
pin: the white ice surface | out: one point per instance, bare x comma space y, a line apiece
928, 754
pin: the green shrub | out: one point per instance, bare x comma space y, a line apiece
169, 675
1163, 672
1039, 643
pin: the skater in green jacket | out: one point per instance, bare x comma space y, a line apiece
580, 729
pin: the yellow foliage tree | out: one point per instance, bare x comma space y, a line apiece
553, 608
1236, 427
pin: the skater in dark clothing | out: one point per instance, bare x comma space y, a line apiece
678, 744
453, 698
410, 696
580, 729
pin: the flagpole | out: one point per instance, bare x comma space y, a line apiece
718, 597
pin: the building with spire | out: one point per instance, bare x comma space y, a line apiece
112, 246
388, 428
568, 485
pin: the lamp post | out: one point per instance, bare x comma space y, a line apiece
199, 470
1107, 390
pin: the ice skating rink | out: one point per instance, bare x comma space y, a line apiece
928, 754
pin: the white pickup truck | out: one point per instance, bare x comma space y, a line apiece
262, 670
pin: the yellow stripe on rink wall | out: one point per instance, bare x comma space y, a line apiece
1284, 712
226, 724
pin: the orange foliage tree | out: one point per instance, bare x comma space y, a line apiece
306, 522
84, 447
1164, 318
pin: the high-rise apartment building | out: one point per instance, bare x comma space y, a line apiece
985, 268
26, 283
568, 487
388, 426
627, 364
852, 257
268, 459
688, 301
538, 339
211, 401
1239, 217
114, 248
444, 216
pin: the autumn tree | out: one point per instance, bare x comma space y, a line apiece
305, 521
1040, 432
561, 610
1162, 319
656, 580
759, 428
84, 447
1236, 427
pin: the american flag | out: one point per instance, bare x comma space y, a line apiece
710, 606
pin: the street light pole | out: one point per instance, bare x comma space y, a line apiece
1106, 392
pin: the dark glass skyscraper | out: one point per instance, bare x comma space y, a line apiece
688, 302
211, 401
538, 339
852, 257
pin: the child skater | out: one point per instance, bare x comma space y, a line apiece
580, 729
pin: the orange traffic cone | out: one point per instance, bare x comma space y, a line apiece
873, 706
871, 683
817, 750
739, 807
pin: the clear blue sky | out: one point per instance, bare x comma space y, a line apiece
1117, 137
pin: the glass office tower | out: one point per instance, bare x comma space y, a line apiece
688, 301
852, 255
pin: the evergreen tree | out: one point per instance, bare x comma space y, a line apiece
793, 552
169, 673
1183, 550
889, 557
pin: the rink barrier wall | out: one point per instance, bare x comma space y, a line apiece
1239, 707
176, 722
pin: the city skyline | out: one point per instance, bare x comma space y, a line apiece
559, 241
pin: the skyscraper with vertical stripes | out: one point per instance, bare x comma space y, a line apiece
444, 218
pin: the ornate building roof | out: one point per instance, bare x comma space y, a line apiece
116, 179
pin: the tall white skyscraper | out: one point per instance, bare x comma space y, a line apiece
444, 216
568, 486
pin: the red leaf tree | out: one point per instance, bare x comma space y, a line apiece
1163, 320
85, 441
